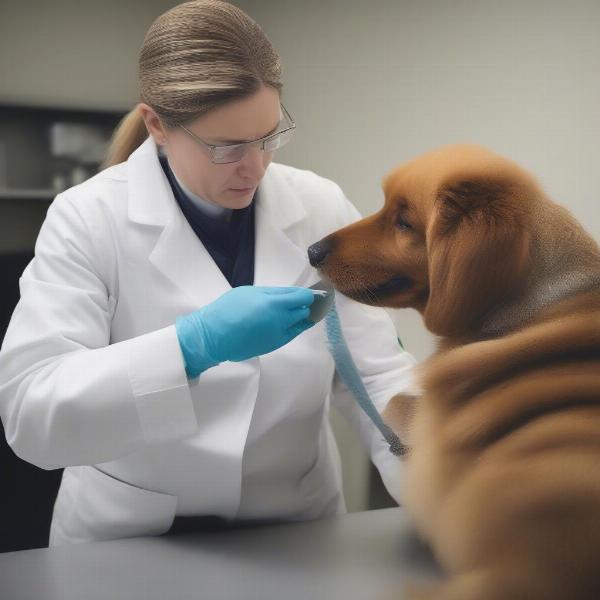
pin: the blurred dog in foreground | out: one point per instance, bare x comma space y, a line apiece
503, 475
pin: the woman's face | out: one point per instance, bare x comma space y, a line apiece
230, 185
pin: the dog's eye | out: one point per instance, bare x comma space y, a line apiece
402, 224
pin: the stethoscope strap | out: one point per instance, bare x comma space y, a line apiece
349, 374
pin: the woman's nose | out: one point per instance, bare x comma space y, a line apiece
254, 164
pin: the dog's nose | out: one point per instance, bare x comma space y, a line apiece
317, 253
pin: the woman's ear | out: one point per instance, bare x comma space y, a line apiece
153, 123
478, 245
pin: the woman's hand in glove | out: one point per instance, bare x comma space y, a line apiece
245, 322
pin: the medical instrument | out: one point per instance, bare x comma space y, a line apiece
324, 298
325, 306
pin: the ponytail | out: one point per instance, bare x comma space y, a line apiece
128, 135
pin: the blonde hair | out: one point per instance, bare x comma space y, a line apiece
196, 56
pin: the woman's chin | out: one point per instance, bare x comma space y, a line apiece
236, 199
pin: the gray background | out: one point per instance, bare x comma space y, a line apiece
370, 84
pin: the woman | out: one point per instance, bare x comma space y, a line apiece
161, 350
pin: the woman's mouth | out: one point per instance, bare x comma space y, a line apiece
245, 190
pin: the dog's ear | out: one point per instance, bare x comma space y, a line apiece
478, 245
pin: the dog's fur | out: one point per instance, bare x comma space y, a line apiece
503, 475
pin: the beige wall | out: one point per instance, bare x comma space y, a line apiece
373, 83
73, 53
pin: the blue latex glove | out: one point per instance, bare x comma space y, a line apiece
242, 323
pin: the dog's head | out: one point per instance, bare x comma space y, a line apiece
452, 240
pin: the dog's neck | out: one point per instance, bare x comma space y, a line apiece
546, 293
565, 263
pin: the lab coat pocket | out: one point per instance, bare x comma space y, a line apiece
94, 506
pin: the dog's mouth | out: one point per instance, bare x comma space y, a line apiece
393, 286
378, 294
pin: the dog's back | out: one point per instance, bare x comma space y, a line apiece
505, 477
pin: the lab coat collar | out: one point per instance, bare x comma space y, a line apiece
181, 256
150, 201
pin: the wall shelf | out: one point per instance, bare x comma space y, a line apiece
27, 163
29, 170
27, 194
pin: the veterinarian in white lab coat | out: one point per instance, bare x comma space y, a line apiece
103, 370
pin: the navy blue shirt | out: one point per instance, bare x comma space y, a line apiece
229, 242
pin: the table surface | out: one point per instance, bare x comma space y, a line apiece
355, 556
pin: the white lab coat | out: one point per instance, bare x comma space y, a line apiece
92, 377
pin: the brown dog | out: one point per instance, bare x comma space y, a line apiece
503, 478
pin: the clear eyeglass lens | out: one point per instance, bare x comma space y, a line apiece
229, 154
277, 141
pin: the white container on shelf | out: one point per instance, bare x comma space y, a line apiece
84, 143
78, 175
59, 182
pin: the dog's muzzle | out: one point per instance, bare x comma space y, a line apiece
317, 253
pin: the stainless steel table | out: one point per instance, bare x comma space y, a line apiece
356, 556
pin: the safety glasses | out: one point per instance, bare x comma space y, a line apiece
230, 153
